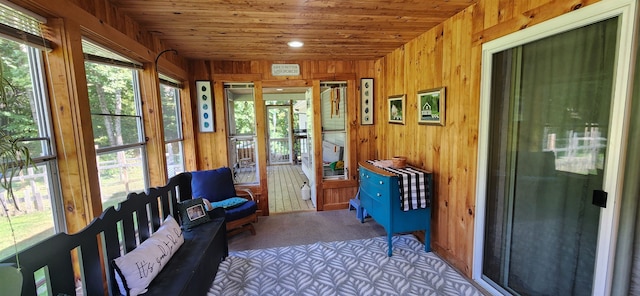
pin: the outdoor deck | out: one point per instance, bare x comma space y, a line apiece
284, 188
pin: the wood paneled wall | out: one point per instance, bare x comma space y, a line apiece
449, 55
211, 148
150, 44
71, 119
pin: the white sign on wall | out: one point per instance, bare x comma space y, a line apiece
285, 69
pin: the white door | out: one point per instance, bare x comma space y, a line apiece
279, 134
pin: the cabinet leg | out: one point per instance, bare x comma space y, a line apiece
427, 239
389, 244
427, 236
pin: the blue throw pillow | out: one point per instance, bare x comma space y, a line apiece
229, 203
214, 185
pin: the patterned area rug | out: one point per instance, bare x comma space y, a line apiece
356, 267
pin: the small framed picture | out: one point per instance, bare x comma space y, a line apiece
431, 106
195, 212
396, 109
192, 213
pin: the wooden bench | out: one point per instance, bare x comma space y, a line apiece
50, 263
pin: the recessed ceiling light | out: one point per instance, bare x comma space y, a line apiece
279, 89
295, 43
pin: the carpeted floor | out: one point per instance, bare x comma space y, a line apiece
352, 267
302, 228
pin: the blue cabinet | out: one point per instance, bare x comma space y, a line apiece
380, 196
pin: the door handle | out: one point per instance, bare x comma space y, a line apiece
599, 198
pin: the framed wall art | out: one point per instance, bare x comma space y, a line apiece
396, 109
193, 212
431, 106
366, 101
205, 106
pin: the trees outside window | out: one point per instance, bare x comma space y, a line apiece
117, 128
172, 129
24, 116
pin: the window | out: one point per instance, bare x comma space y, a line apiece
37, 212
114, 100
170, 95
333, 98
242, 132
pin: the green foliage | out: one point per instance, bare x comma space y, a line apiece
14, 156
169, 112
244, 115
3, 82
111, 93
16, 120
432, 100
16, 93
15, 117
278, 122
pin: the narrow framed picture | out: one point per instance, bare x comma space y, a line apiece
366, 101
431, 106
205, 106
396, 109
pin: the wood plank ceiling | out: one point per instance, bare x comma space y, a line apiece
260, 29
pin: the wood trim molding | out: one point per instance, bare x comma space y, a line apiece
71, 121
237, 77
333, 76
317, 142
337, 206
286, 83
333, 184
529, 18
99, 31
190, 141
153, 126
261, 129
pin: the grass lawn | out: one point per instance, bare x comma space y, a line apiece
34, 227
29, 229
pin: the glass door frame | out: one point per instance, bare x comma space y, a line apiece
232, 138
289, 137
626, 11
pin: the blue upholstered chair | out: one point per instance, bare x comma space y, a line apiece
217, 187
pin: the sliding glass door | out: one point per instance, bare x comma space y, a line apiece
549, 131
552, 140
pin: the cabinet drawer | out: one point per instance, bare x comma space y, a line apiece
373, 201
373, 193
369, 179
